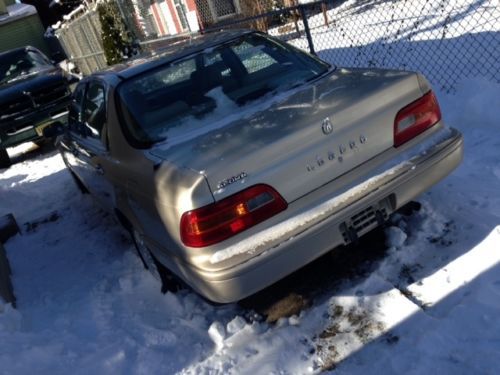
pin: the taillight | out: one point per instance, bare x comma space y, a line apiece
218, 221
415, 118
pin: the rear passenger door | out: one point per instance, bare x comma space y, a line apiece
90, 142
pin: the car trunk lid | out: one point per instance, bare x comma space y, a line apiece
304, 140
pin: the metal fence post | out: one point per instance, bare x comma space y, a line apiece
306, 29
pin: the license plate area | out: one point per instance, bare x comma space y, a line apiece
54, 117
39, 128
366, 220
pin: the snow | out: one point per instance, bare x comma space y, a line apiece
74, 12
54, 3
217, 333
226, 112
428, 305
396, 237
85, 304
445, 39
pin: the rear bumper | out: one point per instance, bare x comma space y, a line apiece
29, 128
374, 196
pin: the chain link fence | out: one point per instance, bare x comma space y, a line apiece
447, 40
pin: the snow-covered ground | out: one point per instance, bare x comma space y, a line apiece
85, 304
428, 304
447, 40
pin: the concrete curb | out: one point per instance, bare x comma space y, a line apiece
8, 228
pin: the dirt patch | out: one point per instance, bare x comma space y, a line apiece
347, 328
330, 362
288, 306
32, 226
330, 331
445, 239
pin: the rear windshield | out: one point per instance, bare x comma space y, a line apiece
20, 63
205, 88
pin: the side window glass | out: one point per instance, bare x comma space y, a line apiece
94, 110
75, 108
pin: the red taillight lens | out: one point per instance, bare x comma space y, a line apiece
218, 221
415, 118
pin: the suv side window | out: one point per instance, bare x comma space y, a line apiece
94, 109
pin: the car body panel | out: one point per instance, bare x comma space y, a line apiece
245, 273
150, 188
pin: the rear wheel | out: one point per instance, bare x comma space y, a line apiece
169, 282
4, 159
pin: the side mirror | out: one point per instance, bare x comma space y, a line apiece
54, 130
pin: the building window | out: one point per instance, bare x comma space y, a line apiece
181, 13
223, 8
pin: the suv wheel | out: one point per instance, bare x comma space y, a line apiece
4, 159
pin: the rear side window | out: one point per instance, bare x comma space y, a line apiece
196, 92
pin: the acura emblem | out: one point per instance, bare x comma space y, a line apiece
327, 126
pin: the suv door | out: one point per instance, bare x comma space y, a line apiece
89, 146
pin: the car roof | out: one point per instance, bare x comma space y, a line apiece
174, 51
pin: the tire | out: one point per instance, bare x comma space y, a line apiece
169, 282
4, 159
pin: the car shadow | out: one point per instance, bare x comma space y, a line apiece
444, 62
316, 281
455, 337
